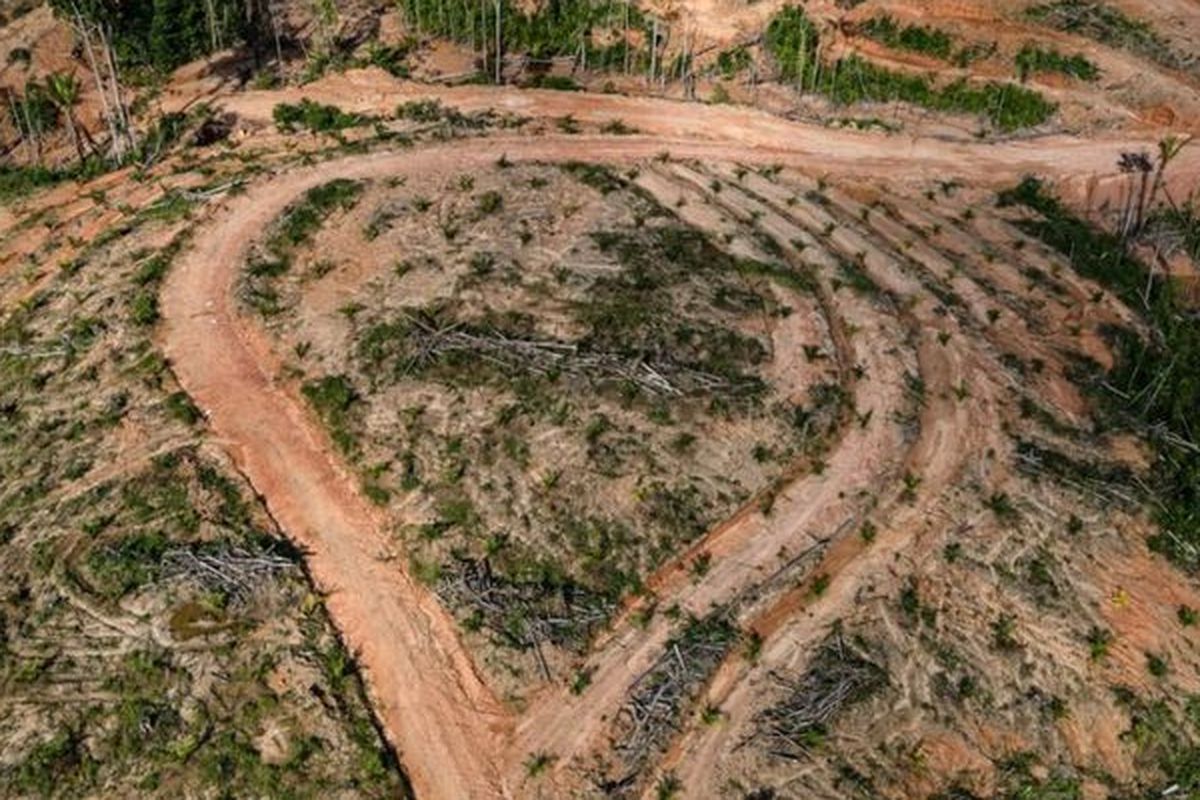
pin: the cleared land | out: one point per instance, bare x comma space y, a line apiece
471, 441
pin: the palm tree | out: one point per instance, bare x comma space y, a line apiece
33, 114
64, 89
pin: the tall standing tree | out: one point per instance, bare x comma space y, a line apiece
33, 115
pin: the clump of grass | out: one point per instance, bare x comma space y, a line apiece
333, 397
1004, 630
617, 127
490, 202
1099, 640
421, 110
854, 276
599, 177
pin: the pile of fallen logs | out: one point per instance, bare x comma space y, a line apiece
658, 376
659, 695
523, 614
837, 677
234, 570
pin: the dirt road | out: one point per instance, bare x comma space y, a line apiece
454, 737
743, 130
450, 732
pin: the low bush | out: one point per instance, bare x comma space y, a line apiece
333, 397
923, 39
791, 40
1007, 106
1033, 59
315, 117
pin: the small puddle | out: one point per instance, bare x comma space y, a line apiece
194, 619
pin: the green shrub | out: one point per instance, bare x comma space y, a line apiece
143, 309
562, 83
731, 62
128, 564
914, 38
1099, 640
390, 58
1007, 106
420, 110
315, 117
333, 397
180, 407
490, 202
1034, 59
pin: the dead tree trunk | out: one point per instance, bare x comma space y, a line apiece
499, 44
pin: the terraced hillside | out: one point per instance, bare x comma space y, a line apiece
365, 436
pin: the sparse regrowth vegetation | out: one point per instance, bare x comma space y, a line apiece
316, 117
1154, 379
1006, 106
1108, 25
644, 447
292, 231
553, 415
157, 633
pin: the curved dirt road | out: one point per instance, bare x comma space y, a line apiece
745, 132
452, 734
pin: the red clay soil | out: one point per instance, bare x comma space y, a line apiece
454, 737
